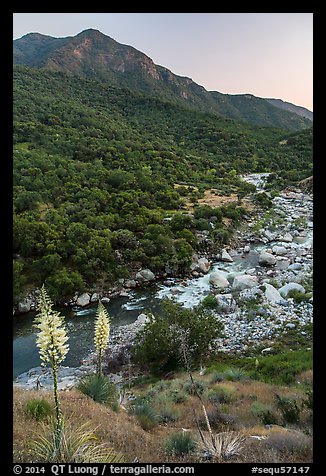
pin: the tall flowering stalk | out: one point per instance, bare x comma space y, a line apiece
102, 332
51, 340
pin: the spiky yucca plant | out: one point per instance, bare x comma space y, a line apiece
102, 332
51, 341
71, 445
224, 446
99, 388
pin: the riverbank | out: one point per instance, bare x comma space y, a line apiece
273, 263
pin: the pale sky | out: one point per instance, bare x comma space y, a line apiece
264, 54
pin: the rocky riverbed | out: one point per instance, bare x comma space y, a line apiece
252, 285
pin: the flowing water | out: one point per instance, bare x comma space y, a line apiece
80, 327
80, 321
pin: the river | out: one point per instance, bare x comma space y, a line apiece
125, 310
122, 310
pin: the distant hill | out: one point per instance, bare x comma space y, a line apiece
288, 106
95, 169
93, 55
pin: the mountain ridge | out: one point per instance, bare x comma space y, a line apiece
288, 106
92, 54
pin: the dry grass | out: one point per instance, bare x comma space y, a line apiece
305, 377
278, 445
212, 199
122, 432
251, 391
119, 430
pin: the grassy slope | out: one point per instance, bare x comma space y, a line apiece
123, 432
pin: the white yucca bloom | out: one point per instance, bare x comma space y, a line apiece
52, 337
102, 328
102, 332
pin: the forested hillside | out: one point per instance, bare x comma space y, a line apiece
93, 55
95, 174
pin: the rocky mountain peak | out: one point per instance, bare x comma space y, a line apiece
92, 54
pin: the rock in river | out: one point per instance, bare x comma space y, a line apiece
218, 280
95, 297
272, 294
266, 259
145, 275
201, 265
25, 305
143, 318
287, 238
244, 281
279, 250
83, 299
284, 290
226, 257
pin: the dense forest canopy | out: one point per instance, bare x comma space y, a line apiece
95, 174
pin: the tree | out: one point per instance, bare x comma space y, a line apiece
184, 253
180, 221
63, 283
157, 344
18, 278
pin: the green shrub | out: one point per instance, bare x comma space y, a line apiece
141, 400
205, 211
274, 282
289, 444
235, 374
300, 222
217, 377
199, 386
263, 200
147, 379
161, 385
231, 210
39, 409
99, 388
308, 402
220, 236
179, 396
151, 393
221, 394
210, 302
281, 368
264, 413
167, 414
158, 344
64, 282
146, 416
180, 444
298, 296
289, 408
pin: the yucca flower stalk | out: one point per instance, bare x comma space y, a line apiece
102, 332
51, 340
